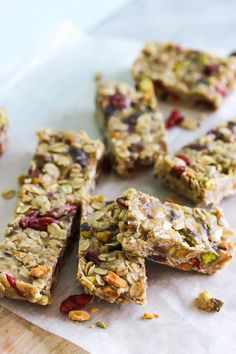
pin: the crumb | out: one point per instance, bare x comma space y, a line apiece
103, 325
79, 316
190, 123
8, 194
173, 199
150, 316
98, 77
94, 309
206, 302
21, 179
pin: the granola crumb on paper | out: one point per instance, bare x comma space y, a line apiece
173, 199
150, 316
103, 325
8, 194
98, 77
79, 316
93, 309
206, 302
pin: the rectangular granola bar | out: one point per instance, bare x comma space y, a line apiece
104, 269
62, 171
205, 170
178, 236
132, 124
4, 121
185, 74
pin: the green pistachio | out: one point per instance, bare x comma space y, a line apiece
208, 258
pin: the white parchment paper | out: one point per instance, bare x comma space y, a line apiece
55, 89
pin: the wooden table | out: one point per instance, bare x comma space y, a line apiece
18, 336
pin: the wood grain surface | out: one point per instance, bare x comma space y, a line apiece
18, 336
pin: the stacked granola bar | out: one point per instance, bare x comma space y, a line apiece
4, 121
205, 170
132, 124
62, 171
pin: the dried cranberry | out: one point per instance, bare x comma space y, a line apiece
210, 69
12, 283
122, 202
197, 147
174, 119
120, 101
79, 156
195, 263
34, 221
177, 171
222, 90
33, 173
11, 280
184, 158
91, 256
75, 302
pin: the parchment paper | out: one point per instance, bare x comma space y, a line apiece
55, 89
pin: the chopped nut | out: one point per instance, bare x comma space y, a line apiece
8, 194
103, 325
206, 302
114, 279
80, 316
39, 271
150, 316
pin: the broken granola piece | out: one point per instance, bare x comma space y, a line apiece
206, 302
104, 269
187, 75
210, 173
132, 124
4, 123
186, 238
62, 172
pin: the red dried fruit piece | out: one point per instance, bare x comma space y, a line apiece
210, 69
197, 147
11, 280
34, 221
122, 202
12, 283
195, 262
222, 90
75, 302
177, 171
120, 101
174, 119
91, 256
184, 158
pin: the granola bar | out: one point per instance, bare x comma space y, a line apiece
132, 124
104, 269
205, 170
4, 121
172, 234
62, 171
185, 74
